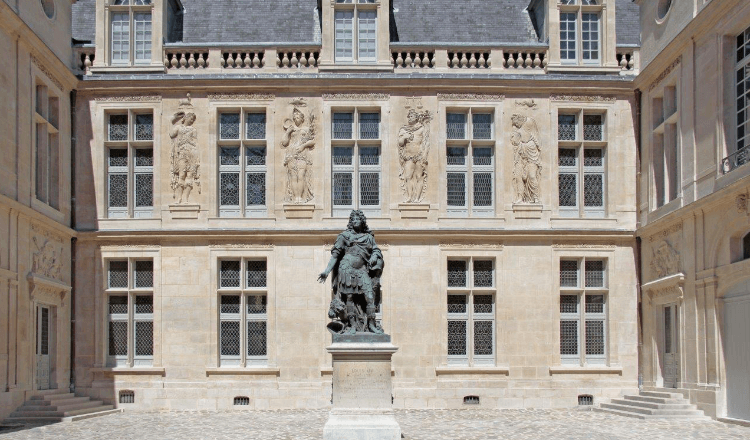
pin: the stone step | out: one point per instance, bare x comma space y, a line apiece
51, 397
35, 414
652, 399
32, 420
620, 413
662, 394
78, 406
90, 410
92, 415
55, 391
651, 405
53, 403
628, 408
26, 407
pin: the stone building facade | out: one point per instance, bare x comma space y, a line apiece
35, 209
693, 213
213, 164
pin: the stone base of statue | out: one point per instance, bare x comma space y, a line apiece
184, 210
362, 401
299, 211
414, 210
527, 210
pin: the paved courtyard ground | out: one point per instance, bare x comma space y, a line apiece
415, 424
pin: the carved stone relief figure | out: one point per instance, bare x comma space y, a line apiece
185, 163
527, 164
298, 139
413, 147
665, 260
47, 260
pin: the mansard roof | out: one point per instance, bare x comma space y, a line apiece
412, 21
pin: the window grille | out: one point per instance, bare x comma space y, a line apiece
456, 124
667, 330
241, 401
566, 127
482, 125
471, 312
482, 189
144, 273
583, 308
356, 166
456, 189
256, 127
585, 400
230, 273
483, 273
471, 400
118, 274
130, 168
593, 128
568, 273
457, 271
127, 396
243, 334
242, 163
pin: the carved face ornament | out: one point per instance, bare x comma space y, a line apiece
298, 117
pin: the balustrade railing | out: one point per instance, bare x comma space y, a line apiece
297, 59
84, 58
735, 160
627, 58
243, 59
185, 59
469, 60
415, 59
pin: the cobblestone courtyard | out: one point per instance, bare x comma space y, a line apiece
415, 424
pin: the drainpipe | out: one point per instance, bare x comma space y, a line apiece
73, 241
638, 98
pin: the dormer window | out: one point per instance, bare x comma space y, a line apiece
130, 32
580, 31
355, 28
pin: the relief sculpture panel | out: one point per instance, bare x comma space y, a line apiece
527, 165
297, 141
47, 260
413, 147
185, 162
665, 260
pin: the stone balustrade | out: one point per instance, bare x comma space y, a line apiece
185, 59
414, 59
458, 59
84, 58
243, 59
297, 58
628, 59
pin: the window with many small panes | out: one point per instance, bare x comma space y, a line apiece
583, 312
581, 164
130, 31
47, 147
580, 32
130, 164
243, 312
355, 31
356, 161
470, 162
471, 311
130, 312
243, 162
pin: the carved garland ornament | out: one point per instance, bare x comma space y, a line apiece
217, 245
583, 98
120, 247
40, 65
583, 246
129, 98
495, 246
665, 233
469, 97
665, 73
184, 158
356, 96
241, 96
526, 103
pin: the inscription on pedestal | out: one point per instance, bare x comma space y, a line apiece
362, 385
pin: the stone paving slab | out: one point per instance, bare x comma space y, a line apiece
415, 425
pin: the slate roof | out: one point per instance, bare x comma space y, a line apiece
413, 21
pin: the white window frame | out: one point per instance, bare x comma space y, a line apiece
132, 317
741, 91
469, 169
470, 317
129, 13
580, 170
47, 151
131, 170
244, 142
356, 142
581, 291
665, 143
351, 28
243, 317
582, 9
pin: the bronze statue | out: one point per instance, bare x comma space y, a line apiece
357, 263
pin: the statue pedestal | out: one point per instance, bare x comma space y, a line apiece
362, 405
184, 210
414, 210
527, 210
299, 211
